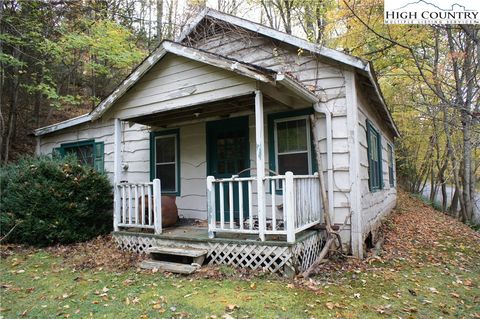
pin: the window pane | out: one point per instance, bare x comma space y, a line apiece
292, 136
166, 173
165, 149
83, 153
296, 163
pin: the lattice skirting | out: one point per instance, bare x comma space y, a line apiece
134, 243
284, 260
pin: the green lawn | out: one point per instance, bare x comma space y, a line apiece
434, 281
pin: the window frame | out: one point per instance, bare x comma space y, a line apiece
153, 157
272, 145
391, 171
98, 152
378, 185
309, 141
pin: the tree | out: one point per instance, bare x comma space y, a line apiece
440, 83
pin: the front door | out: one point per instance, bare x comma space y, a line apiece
227, 155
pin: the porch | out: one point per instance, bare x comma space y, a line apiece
255, 217
291, 204
243, 251
203, 130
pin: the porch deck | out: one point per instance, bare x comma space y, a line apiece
274, 254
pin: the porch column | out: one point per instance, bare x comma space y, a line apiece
117, 158
260, 159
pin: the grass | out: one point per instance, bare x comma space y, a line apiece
431, 276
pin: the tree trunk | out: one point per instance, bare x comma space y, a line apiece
159, 20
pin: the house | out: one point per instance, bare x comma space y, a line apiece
222, 121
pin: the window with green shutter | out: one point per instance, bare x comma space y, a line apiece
374, 142
88, 153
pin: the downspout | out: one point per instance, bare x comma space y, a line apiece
323, 107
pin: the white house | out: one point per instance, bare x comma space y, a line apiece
228, 107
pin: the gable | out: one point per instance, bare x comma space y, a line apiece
317, 67
175, 82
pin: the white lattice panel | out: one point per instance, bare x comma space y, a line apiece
256, 257
285, 260
306, 251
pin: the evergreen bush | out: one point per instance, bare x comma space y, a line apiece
49, 201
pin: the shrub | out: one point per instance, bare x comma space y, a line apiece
53, 201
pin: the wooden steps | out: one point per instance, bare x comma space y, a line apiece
168, 266
181, 260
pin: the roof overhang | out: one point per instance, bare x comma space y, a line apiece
63, 125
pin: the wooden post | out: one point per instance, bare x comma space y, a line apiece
290, 206
157, 206
116, 207
211, 206
116, 173
260, 159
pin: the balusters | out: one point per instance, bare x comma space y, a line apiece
222, 207
240, 203
274, 213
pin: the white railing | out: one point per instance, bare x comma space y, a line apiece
138, 205
292, 204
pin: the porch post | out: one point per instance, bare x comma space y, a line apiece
116, 172
289, 210
211, 206
157, 206
260, 159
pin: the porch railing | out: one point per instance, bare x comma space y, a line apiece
293, 204
138, 205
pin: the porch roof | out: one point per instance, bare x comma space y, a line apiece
260, 74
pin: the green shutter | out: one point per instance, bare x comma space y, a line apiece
98, 161
369, 154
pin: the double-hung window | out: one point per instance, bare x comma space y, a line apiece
292, 145
165, 160
374, 157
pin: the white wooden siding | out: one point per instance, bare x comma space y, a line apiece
177, 82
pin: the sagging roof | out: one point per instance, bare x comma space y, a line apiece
363, 67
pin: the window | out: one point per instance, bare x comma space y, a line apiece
374, 157
88, 152
292, 145
391, 177
165, 160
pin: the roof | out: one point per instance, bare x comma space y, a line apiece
245, 69
365, 68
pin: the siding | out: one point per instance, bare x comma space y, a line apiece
177, 82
